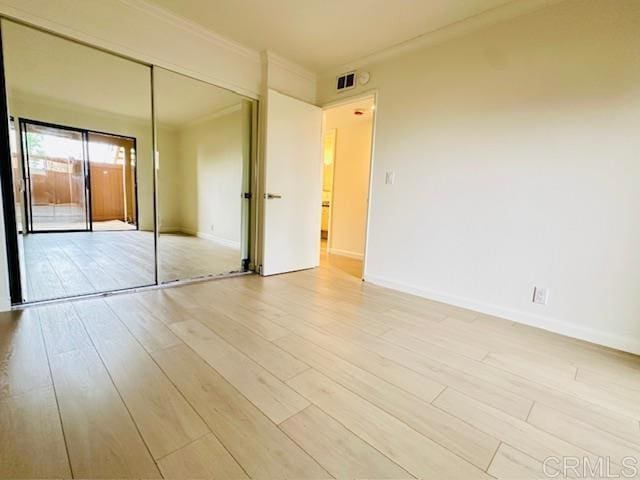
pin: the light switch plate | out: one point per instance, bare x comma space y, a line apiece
390, 178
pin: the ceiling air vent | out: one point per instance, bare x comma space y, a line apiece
346, 81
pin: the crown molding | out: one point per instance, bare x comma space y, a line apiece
513, 9
26, 97
210, 116
193, 27
271, 58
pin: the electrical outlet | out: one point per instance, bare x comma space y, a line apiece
540, 295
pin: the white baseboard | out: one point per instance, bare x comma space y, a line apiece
553, 325
208, 236
345, 253
171, 230
222, 241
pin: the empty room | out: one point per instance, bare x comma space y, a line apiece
315, 239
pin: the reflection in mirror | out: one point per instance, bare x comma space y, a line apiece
204, 145
82, 153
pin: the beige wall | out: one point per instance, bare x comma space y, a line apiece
350, 180
515, 150
169, 179
211, 155
201, 175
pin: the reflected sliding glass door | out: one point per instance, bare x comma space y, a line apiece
55, 164
112, 170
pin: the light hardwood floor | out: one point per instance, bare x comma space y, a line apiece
306, 375
69, 264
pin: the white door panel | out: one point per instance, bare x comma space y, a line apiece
293, 175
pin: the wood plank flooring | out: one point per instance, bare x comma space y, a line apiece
67, 264
311, 374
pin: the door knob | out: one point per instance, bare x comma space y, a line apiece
272, 195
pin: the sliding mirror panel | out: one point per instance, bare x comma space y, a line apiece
81, 136
204, 145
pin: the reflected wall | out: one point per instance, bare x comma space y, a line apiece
204, 145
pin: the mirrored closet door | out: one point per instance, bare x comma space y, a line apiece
204, 147
81, 137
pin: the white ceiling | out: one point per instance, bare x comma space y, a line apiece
321, 34
181, 99
48, 69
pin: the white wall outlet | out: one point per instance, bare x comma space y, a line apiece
540, 295
390, 178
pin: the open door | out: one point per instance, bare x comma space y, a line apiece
293, 185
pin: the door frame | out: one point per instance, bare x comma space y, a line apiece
373, 94
8, 200
26, 168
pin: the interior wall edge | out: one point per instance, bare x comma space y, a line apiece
550, 324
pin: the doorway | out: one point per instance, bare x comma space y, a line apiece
346, 156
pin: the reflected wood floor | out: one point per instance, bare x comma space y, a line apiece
68, 264
306, 375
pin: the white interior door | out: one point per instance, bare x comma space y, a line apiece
293, 185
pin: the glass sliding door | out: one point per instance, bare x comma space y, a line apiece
112, 163
55, 162
204, 146
83, 143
